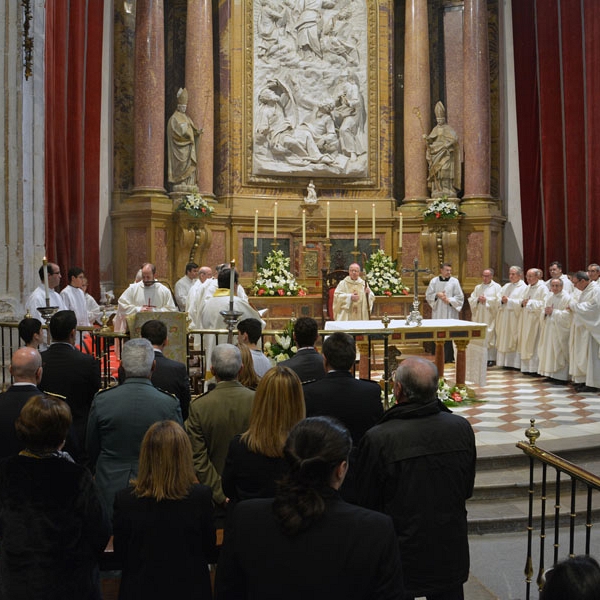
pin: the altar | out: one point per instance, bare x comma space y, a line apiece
438, 331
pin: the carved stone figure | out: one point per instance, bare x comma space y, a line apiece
181, 142
350, 114
443, 157
311, 193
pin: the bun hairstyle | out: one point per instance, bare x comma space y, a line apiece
314, 449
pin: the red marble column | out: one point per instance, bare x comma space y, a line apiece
149, 97
476, 93
417, 103
199, 82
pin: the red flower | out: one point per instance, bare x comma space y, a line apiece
261, 292
405, 292
301, 293
438, 215
280, 292
456, 397
387, 293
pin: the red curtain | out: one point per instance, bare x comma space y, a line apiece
72, 151
557, 58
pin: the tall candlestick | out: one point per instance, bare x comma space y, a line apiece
304, 227
355, 228
373, 220
275, 222
400, 230
327, 226
46, 287
231, 280
256, 228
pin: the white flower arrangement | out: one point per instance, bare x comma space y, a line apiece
283, 347
441, 209
383, 277
196, 206
275, 279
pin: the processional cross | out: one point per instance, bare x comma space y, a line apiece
415, 318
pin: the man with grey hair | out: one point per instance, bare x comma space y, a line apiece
418, 466
532, 309
120, 416
216, 417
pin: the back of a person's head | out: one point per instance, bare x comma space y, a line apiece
224, 278
419, 379
277, 406
28, 327
577, 578
339, 349
226, 361
306, 332
137, 357
155, 332
247, 376
43, 423
25, 363
166, 467
251, 326
314, 449
61, 325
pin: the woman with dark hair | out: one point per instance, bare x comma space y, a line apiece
255, 458
163, 530
577, 578
308, 542
53, 525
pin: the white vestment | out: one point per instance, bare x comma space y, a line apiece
584, 348
182, 289
94, 312
485, 312
454, 293
199, 293
137, 295
567, 284
343, 307
554, 338
529, 332
211, 318
38, 298
507, 325
74, 299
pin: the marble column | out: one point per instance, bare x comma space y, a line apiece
417, 103
200, 86
149, 97
476, 93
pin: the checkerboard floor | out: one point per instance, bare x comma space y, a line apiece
512, 399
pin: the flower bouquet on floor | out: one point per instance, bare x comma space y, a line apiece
441, 209
196, 206
383, 277
274, 278
283, 347
454, 395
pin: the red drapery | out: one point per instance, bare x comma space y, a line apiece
72, 149
557, 59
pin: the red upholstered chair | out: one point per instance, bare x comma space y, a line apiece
330, 282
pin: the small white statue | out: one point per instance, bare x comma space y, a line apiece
311, 194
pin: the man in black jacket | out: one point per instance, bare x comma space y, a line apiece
418, 466
307, 362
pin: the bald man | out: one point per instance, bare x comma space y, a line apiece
26, 369
352, 300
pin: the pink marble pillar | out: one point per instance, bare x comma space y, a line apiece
416, 101
149, 97
476, 92
200, 85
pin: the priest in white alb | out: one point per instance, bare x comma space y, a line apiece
532, 306
508, 320
352, 299
74, 297
484, 302
555, 328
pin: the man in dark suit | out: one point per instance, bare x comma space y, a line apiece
307, 363
354, 402
26, 369
168, 375
70, 373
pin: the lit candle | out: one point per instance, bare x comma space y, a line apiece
356, 229
304, 227
231, 280
275, 221
400, 230
256, 228
373, 220
46, 287
327, 234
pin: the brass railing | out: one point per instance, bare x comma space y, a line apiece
581, 484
